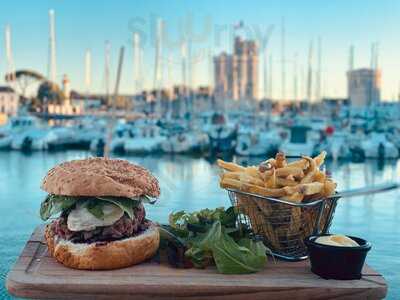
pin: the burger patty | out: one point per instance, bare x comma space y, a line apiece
125, 227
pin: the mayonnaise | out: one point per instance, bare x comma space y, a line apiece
337, 240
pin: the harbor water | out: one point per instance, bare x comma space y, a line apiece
190, 184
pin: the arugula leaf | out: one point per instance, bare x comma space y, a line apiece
230, 257
126, 204
54, 204
202, 218
95, 208
176, 219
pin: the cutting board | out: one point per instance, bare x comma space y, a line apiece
37, 275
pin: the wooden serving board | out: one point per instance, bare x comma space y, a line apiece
37, 275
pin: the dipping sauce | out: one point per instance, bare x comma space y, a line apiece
337, 240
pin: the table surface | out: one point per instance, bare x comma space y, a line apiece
37, 275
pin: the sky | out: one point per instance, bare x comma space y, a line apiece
83, 25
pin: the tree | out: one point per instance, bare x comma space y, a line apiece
49, 92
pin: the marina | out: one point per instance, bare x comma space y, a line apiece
354, 139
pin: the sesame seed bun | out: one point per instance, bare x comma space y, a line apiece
100, 177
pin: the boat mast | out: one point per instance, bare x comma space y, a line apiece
107, 50
268, 82
283, 92
157, 84
265, 75
88, 70
9, 55
113, 106
270, 87
137, 65
302, 83
295, 79
190, 73
318, 83
184, 70
210, 78
170, 83
309, 75
52, 67
210, 69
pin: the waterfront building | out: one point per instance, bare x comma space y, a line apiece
65, 105
236, 75
9, 102
364, 87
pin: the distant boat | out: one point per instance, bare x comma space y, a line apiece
146, 138
222, 134
376, 145
255, 143
65, 138
337, 145
190, 142
5, 141
299, 142
26, 133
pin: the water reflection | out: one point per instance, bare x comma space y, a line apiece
191, 184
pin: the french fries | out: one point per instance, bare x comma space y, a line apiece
282, 182
283, 226
235, 184
320, 176
305, 189
230, 166
286, 171
280, 160
271, 181
311, 170
302, 164
296, 181
320, 158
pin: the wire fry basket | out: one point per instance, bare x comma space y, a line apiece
283, 225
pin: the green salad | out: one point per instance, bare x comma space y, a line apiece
210, 236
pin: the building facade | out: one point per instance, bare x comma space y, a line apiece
9, 101
364, 87
236, 75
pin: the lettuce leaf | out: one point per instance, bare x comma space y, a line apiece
55, 204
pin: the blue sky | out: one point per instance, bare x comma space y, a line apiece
82, 25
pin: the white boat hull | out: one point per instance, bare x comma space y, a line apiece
143, 145
292, 149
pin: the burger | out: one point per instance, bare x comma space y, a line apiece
100, 221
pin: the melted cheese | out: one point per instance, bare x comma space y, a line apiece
337, 240
81, 219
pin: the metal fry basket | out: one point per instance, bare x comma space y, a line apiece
283, 225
